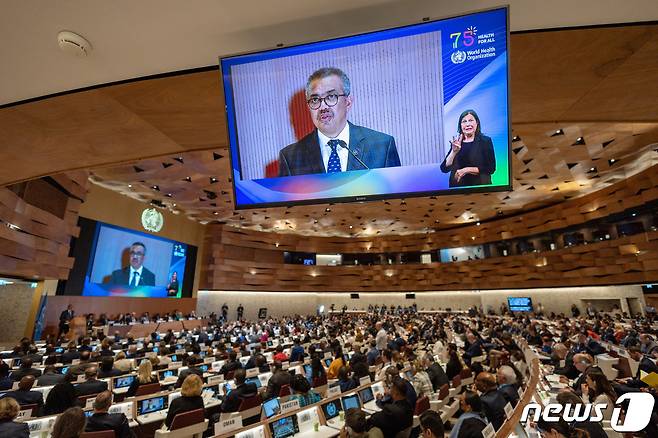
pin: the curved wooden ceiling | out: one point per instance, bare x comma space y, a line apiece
593, 84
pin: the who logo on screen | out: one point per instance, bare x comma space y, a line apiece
152, 220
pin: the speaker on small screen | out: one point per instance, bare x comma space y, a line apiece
410, 296
354, 296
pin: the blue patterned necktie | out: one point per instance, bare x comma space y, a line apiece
333, 165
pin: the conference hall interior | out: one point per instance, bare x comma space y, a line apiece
371, 219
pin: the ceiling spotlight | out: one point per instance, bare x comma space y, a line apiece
351, 227
130, 186
634, 214
611, 161
168, 195
173, 205
516, 138
327, 209
477, 223
213, 180
155, 187
188, 179
216, 213
472, 237
276, 244
579, 141
557, 132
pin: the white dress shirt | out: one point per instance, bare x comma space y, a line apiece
139, 276
343, 153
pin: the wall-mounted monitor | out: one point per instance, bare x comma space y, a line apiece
410, 111
519, 304
116, 261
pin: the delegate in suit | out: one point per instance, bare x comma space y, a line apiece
135, 274
336, 145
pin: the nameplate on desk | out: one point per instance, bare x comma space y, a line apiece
80, 379
509, 410
175, 365
520, 391
489, 431
228, 425
215, 379
24, 414
562, 363
75, 361
89, 403
327, 355
252, 372
289, 406
332, 391
208, 360
364, 380
285, 365
14, 385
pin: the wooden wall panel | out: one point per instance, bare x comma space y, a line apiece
632, 259
111, 306
35, 243
631, 192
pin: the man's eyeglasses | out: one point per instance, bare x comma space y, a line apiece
137, 253
315, 102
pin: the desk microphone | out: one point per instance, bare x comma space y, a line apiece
343, 145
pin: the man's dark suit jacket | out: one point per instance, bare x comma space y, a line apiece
437, 376
11, 429
393, 418
278, 379
232, 401
104, 421
510, 393
50, 379
28, 398
22, 372
90, 387
374, 148
122, 277
494, 407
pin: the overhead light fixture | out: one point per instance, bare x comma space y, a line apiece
130, 186
477, 223
579, 141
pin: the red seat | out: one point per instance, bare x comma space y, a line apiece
99, 434
149, 388
189, 418
250, 402
422, 405
444, 391
284, 391
465, 373
456, 381
319, 381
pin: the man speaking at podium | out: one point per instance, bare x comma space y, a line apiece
336, 145
135, 274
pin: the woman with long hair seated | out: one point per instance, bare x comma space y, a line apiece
69, 424
303, 392
189, 400
144, 377
598, 390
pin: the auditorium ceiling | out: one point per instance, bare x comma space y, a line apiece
584, 116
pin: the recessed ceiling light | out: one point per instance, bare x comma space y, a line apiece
477, 223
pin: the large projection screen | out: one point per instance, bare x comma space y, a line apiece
412, 111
